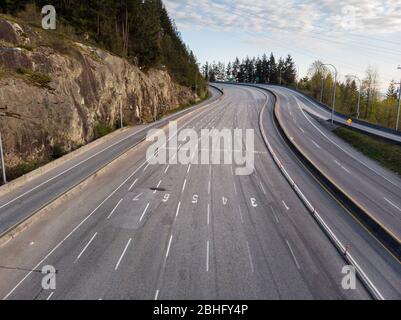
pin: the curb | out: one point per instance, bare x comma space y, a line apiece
374, 292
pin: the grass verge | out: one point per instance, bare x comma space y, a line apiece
386, 153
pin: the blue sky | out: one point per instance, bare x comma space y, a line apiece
351, 34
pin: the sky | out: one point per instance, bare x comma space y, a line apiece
350, 34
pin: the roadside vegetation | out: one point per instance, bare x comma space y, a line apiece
375, 107
386, 153
140, 31
38, 79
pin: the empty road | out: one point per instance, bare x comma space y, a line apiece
196, 231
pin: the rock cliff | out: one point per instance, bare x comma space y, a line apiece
56, 92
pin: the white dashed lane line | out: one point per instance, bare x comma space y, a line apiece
85, 248
123, 254
393, 204
115, 208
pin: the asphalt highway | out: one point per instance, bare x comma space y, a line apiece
196, 231
375, 189
19, 204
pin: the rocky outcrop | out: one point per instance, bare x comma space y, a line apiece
54, 92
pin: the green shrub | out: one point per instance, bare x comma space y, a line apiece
102, 129
36, 78
58, 152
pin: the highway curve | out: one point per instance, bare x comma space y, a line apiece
140, 231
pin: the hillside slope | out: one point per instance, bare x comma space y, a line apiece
57, 94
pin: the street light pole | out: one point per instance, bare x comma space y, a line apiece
3, 168
359, 96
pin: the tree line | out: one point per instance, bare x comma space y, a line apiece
319, 84
253, 70
140, 30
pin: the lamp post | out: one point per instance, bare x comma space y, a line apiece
121, 111
3, 168
399, 105
359, 96
334, 89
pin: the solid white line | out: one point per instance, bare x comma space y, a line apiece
178, 209
86, 247
393, 204
293, 255
114, 210
207, 256
169, 246
285, 205
185, 184
132, 185
122, 255
144, 212
50, 296
250, 257
157, 295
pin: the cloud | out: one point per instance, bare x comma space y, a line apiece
294, 16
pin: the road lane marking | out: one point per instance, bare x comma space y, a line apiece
208, 214
114, 210
122, 255
169, 246
207, 256
50, 296
144, 212
263, 189
286, 206
293, 255
338, 163
178, 209
345, 169
147, 166
185, 184
189, 169
209, 187
158, 185
132, 185
85, 248
137, 197
393, 204
240, 214
317, 146
235, 188
168, 167
250, 257
302, 130
157, 295
79, 225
